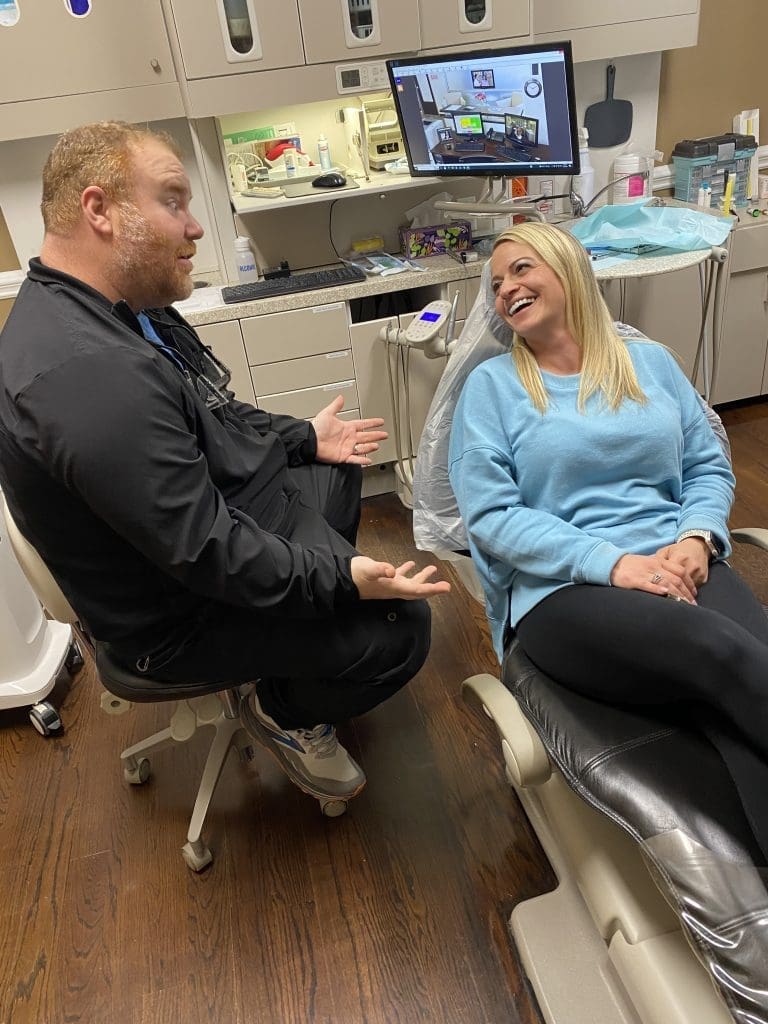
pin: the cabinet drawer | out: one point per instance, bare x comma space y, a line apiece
749, 248
295, 333
309, 401
226, 342
296, 374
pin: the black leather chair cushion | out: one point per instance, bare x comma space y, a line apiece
141, 688
669, 789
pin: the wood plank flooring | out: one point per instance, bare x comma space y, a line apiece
394, 914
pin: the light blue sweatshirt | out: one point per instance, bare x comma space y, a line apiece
555, 499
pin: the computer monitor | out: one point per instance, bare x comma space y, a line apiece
468, 124
532, 83
521, 131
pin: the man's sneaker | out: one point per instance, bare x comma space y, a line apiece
312, 758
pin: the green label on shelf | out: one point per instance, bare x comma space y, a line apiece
252, 135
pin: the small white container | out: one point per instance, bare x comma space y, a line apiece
631, 167
289, 156
247, 270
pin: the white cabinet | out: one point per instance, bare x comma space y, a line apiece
605, 29
226, 342
211, 44
300, 360
469, 22
59, 70
51, 53
342, 30
740, 366
565, 15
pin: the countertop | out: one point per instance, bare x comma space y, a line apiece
205, 305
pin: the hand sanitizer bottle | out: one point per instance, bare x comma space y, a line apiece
247, 270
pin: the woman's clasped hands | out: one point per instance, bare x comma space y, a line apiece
674, 571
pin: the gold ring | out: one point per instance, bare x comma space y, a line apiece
657, 577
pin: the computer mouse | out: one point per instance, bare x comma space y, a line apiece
331, 180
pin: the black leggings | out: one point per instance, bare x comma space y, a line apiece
629, 647
312, 670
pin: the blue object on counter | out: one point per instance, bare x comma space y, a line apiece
631, 225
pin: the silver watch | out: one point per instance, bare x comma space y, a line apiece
706, 536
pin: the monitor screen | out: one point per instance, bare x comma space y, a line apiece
520, 121
468, 124
522, 131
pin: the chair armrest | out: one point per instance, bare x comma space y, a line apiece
752, 535
527, 760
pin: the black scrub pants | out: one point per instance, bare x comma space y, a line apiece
312, 670
709, 660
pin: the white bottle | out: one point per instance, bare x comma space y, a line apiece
289, 156
584, 181
246, 264
324, 153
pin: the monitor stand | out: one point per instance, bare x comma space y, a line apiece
494, 200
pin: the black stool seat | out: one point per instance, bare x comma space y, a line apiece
135, 686
669, 789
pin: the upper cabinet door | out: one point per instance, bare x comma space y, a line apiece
342, 30
230, 37
563, 15
468, 22
68, 47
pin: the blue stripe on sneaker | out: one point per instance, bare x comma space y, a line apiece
280, 737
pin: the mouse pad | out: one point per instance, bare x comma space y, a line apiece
294, 190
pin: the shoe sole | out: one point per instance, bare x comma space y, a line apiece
257, 730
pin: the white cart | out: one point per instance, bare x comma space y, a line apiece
33, 649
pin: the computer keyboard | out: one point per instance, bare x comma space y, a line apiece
469, 147
514, 154
295, 283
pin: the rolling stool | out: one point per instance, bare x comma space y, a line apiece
198, 704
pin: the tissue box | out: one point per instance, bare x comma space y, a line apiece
435, 239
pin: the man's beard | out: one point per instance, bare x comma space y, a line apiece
145, 269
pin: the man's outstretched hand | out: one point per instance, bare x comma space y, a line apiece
346, 440
380, 581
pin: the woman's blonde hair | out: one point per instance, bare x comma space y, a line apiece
93, 154
606, 364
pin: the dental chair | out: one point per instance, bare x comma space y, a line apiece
660, 915
195, 704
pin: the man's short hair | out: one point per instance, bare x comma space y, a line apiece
93, 154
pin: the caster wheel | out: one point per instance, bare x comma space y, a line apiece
333, 808
137, 774
196, 856
45, 718
74, 660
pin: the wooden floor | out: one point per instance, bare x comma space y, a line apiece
394, 914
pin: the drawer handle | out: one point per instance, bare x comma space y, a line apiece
342, 386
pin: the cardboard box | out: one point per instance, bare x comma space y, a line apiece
435, 239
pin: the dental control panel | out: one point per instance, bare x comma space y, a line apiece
428, 323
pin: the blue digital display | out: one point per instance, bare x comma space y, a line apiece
431, 317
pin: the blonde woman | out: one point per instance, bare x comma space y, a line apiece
596, 498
